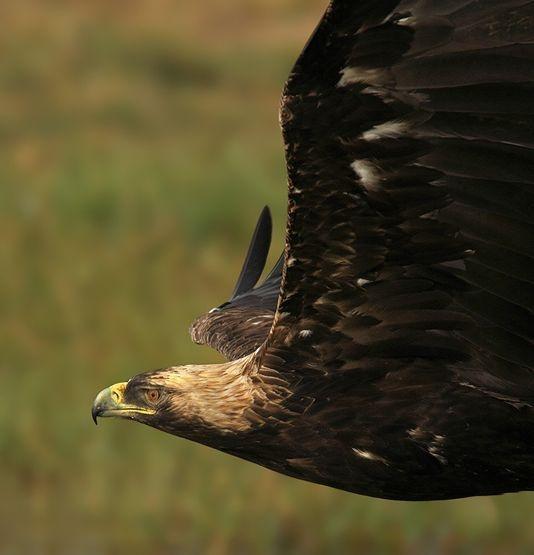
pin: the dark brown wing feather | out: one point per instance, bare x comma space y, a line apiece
239, 326
409, 145
409, 149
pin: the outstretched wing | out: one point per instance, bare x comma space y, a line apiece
239, 326
409, 144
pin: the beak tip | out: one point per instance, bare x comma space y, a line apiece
94, 414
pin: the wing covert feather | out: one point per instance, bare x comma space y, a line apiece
239, 326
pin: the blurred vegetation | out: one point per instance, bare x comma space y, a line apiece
138, 142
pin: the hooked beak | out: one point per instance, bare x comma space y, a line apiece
110, 402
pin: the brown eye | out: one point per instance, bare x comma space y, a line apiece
152, 395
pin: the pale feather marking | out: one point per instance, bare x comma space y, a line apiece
369, 456
368, 173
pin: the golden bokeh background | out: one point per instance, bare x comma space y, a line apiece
138, 142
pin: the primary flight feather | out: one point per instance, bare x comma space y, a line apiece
389, 352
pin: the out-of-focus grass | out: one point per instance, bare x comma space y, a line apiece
138, 142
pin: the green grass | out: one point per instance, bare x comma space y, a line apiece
137, 146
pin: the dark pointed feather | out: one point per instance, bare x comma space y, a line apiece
508, 63
276, 272
256, 255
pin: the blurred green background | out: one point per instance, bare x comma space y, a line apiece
139, 141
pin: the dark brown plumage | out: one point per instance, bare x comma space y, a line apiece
392, 354
241, 325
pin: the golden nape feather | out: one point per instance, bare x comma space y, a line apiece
389, 352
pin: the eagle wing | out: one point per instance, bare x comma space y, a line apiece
409, 146
240, 325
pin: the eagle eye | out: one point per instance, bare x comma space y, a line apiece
152, 395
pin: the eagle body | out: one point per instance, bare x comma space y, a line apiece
434, 439
389, 352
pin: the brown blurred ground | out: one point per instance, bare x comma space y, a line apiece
138, 142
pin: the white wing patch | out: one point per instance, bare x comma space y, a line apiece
291, 261
387, 130
435, 448
368, 173
351, 75
434, 443
369, 456
407, 21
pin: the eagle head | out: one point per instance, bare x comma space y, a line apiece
189, 401
150, 398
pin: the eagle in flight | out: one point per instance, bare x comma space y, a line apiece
390, 351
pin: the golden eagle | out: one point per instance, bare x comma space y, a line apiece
389, 353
